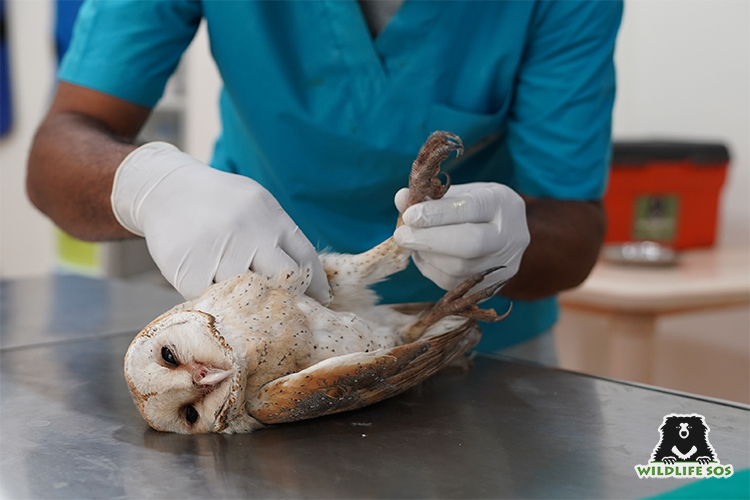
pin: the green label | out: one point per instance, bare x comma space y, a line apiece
76, 253
655, 217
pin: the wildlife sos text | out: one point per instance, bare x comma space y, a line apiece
683, 470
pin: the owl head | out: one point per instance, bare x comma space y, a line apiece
185, 378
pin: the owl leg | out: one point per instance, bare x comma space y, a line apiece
388, 258
455, 303
366, 268
423, 181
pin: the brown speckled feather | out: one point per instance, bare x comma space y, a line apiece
355, 380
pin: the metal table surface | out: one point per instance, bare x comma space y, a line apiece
68, 428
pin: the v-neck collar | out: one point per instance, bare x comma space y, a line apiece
378, 13
366, 56
408, 28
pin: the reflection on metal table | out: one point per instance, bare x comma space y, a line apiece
69, 429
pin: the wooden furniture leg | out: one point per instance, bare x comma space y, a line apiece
632, 346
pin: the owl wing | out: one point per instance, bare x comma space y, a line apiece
355, 380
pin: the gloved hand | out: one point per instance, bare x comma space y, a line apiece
474, 227
203, 226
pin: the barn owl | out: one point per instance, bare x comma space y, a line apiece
255, 350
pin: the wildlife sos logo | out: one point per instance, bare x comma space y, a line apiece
683, 450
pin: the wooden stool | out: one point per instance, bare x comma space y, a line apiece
624, 302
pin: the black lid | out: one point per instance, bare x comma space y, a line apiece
640, 152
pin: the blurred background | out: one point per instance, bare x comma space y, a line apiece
683, 74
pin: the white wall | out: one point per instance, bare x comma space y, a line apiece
26, 237
27, 243
682, 72
202, 98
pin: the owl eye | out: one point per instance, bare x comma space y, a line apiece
191, 414
166, 355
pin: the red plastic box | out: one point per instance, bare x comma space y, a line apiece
666, 192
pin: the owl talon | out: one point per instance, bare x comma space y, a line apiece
423, 181
447, 183
456, 303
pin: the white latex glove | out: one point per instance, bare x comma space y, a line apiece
474, 227
203, 226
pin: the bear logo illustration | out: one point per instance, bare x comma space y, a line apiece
684, 438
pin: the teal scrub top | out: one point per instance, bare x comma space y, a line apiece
329, 119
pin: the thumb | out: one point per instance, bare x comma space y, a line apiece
299, 248
319, 288
401, 199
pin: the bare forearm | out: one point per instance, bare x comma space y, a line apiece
71, 168
75, 154
565, 240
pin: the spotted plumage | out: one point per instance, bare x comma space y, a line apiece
255, 350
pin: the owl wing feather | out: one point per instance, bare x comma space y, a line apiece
355, 380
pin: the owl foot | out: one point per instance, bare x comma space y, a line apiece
423, 181
454, 303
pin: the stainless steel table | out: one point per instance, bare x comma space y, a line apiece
68, 428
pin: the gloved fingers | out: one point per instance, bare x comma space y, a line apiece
463, 268
189, 288
319, 289
299, 248
448, 281
234, 258
467, 241
402, 195
189, 282
176, 263
475, 202
272, 260
456, 266
435, 274
401, 198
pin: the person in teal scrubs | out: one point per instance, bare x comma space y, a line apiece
324, 106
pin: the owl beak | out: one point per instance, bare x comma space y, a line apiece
211, 376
